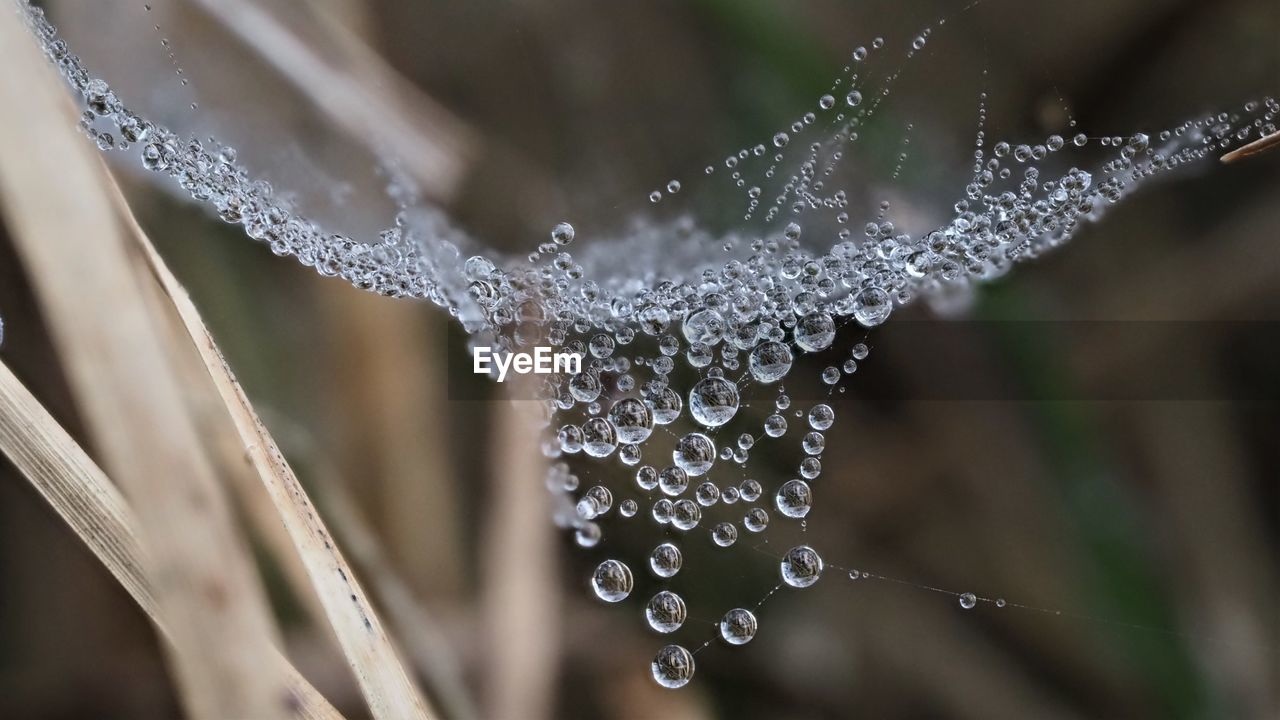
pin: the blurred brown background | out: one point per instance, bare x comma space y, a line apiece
1156, 513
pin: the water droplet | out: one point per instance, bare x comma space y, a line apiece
672, 667
665, 560
665, 612
968, 601
612, 581
801, 566
738, 626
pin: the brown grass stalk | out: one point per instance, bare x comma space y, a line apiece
387, 688
82, 495
66, 229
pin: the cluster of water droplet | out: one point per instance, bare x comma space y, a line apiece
678, 326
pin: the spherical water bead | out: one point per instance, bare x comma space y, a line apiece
666, 406
738, 626
813, 443
562, 233
647, 478
585, 387
860, 351
655, 196
632, 420
783, 401
872, 306
628, 508
695, 453
598, 438
724, 534
673, 481
713, 401
602, 498
685, 515
775, 425
769, 362
810, 468
612, 581
831, 375
672, 667
629, 454
826, 102
665, 612
730, 495
815, 331
968, 601
746, 441
704, 327
662, 510
756, 520
587, 535
1000, 602
794, 499
665, 560
707, 494
673, 187
750, 490
801, 566
859, 54
601, 345
854, 98
821, 417
570, 438
1080, 140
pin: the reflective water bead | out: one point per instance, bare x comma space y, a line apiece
821, 417
801, 566
685, 514
872, 306
632, 420
665, 612
750, 490
695, 453
968, 601
647, 478
794, 499
813, 443
756, 520
562, 233
612, 581
672, 667
666, 406
673, 481
598, 437
724, 534
815, 331
738, 626
769, 362
628, 508
707, 494
665, 560
775, 425
713, 401
662, 510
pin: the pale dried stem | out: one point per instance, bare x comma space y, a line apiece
78, 491
65, 228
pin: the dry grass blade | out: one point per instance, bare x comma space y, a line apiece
520, 562
356, 90
1257, 147
90, 504
66, 229
388, 689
